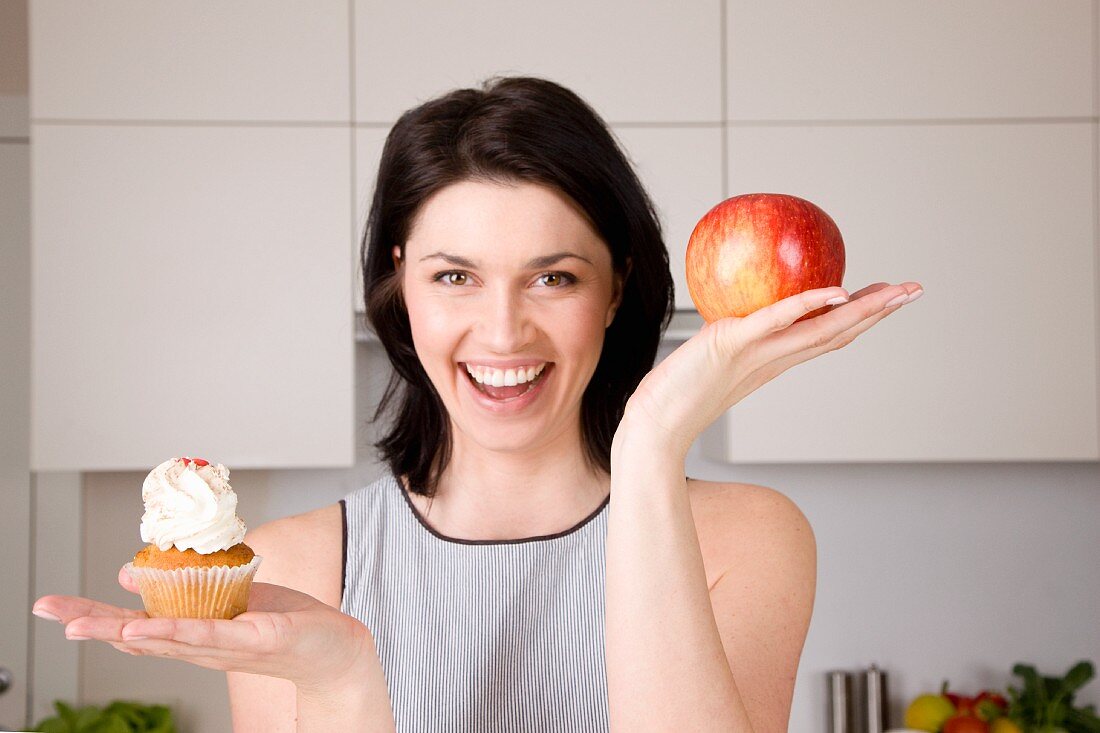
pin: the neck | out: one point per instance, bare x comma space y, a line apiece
487, 494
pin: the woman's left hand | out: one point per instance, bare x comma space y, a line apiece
731, 357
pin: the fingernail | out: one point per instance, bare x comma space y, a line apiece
133, 638
898, 300
45, 614
836, 301
76, 637
914, 295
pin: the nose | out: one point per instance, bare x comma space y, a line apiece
506, 325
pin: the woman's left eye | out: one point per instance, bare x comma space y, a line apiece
562, 276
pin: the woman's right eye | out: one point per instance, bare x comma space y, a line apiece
442, 275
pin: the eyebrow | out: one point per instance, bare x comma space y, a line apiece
544, 261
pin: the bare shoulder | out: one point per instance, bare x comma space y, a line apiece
304, 552
758, 506
749, 526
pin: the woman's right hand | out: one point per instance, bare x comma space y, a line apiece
284, 634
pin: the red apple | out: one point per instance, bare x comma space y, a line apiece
753, 250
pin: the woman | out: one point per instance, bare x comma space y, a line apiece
487, 585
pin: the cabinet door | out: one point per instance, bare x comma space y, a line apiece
270, 60
649, 61
681, 169
934, 59
192, 295
997, 361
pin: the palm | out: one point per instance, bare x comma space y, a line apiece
284, 633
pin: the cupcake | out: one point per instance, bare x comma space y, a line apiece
195, 565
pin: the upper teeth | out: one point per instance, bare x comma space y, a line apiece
504, 377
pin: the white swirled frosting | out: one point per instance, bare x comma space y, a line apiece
190, 506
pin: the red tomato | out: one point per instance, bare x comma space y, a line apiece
965, 724
963, 705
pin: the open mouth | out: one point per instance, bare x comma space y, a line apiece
507, 393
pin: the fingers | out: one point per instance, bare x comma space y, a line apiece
67, 608
872, 288
833, 330
247, 632
207, 634
220, 644
183, 652
781, 314
102, 628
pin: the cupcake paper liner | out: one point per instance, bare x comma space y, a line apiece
220, 591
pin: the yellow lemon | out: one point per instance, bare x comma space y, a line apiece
928, 712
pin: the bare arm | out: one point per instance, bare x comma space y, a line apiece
666, 666
682, 657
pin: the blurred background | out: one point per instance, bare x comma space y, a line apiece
182, 193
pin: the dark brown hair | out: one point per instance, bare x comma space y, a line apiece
512, 129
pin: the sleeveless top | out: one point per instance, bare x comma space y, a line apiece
479, 635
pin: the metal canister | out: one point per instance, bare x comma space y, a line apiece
841, 702
875, 713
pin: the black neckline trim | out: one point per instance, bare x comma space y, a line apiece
522, 540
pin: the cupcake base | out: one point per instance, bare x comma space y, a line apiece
219, 591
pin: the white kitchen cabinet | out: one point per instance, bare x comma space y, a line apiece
681, 169
651, 61
998, 360
869, 59
191, 296
268, 60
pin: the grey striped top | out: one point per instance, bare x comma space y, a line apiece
479, 635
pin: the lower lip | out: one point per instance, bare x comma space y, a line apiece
516, 404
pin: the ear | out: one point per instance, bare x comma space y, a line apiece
396, 256
618, 285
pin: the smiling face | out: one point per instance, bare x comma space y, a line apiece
478, 295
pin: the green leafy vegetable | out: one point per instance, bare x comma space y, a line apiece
1045, 704
118, 717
